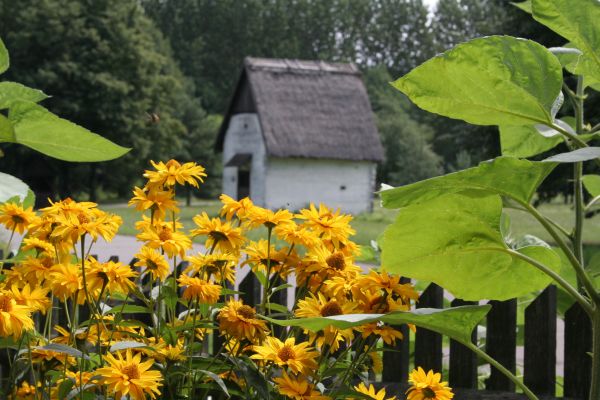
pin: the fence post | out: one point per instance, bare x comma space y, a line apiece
540, 343
395, 362
428, 344
578, 363
250, 287
463, 362
501, 342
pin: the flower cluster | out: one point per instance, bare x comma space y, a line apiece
106, 347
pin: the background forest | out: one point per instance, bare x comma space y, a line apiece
156, 75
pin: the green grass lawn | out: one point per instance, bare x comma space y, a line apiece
370, 225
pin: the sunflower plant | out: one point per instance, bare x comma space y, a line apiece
451, 229
69, 320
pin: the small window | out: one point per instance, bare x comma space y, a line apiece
343, 187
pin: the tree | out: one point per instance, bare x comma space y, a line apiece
110, 69
408, 154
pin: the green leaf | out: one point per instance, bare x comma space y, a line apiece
29, 200
592, 184
126, 344
4, 60
129, 309
495, 80
7, 132
217, 379
11, 186
524, 5
39, 129
456, 322
525, 141
12, 92
506, 176
583, 154
64, 388
455, 241
578, 23
61, 348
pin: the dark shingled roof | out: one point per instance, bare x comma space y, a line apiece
309, 109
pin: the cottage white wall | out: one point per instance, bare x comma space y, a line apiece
244, 136
294, 182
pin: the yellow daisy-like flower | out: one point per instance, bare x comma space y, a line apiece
156, 200
162, 236
221, 236
172, 172
93, 222
14, 318
370, 391
25, 392
199, 289
258, 216
153, 262
298, 388
162, 351
130, 376
232, 207
65, 280
114, 276
299, 358
386, 332
329, 225
239, 320
41, 247
15, 217
36, 298
328, 264
261, 256
390, 284
428, 386
220, 267
34, 269
296, 234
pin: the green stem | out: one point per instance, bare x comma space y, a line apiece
265, 300
585, 304
500, 368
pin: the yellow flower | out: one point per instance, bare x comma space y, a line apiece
221, 267
221, 236
298, 357
199, 289
172, 172
154, 262
41, 247
239, 320
93, 222
390, 284
386, 332
65, 280
328, 264
427, 386
261, 256
36, 299
328, 224
156, 200
161, 235
298, 388
232, 207
293, 233
167, 352
114, 276
14, 318
370, 391
15, 217
34, 269
130, 376
258, 216
25, 392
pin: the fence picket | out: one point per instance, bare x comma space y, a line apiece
428, 344
501, 342
463, 362
540, 343
578, 342
395, 362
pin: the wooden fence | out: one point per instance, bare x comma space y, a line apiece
540, 340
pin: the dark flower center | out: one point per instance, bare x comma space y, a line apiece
286, 353
331, 308
336, 261
247, 312
428, 393
131, 371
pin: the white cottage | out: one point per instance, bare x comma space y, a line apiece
300, 131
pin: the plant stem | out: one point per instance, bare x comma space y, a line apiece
500, 368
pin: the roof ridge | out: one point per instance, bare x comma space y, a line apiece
298, 65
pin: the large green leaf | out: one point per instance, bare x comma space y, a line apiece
495, 80
11, 186
3, 57
592, 184
571, 59
578, 23
7, 133
583, 154
525, 141
12, 92
504, 175
457, 322
455, 241
43, 131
